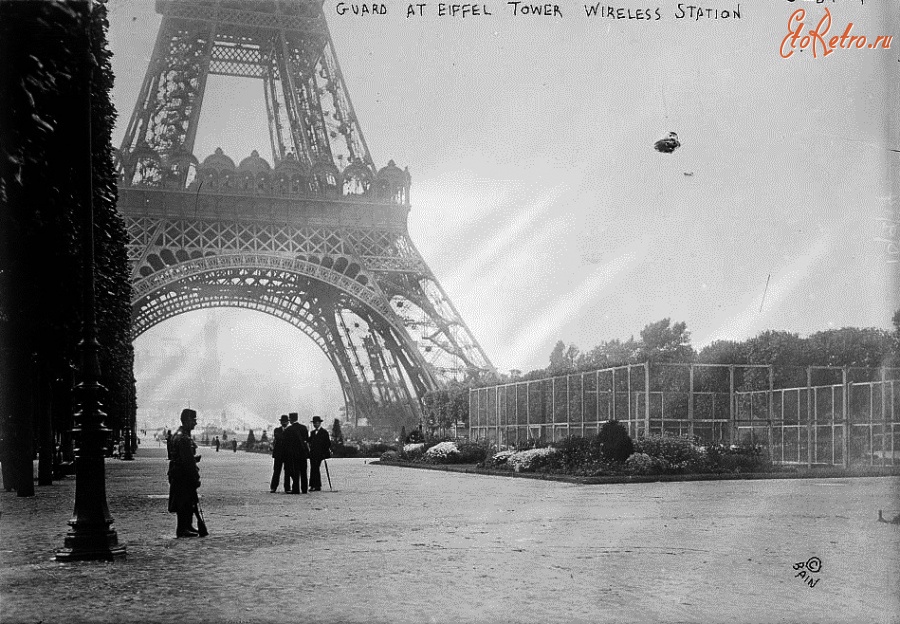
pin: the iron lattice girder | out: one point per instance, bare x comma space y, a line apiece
280, 42
300, 305
306, 17
302, 300
374, 264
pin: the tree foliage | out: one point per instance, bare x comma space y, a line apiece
446, 406
43, 165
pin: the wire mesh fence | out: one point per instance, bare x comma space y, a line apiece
816, 415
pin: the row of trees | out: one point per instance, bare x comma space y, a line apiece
43, 167
667, 342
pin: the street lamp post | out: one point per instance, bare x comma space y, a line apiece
91, 536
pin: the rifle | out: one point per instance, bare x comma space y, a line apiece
201, 523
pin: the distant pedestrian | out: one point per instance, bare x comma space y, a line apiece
279, 455
216, 440
296, 437
184, 474
319, 450
234, 445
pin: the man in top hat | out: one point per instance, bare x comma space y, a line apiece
319, 450
279, 455
184, 474
296, 437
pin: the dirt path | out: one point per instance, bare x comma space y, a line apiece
399, 545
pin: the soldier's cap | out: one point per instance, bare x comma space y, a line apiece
283, 418
188, 413
316, 419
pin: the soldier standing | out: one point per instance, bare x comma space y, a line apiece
184, 475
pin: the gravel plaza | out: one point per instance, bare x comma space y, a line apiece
392, 544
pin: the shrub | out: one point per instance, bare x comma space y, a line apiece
573, 453
673, 454
499, 460
344, 450
531, 460
442, 453
389, 456
639, 464
376, 449
615, 443
739, 458
472, 452
414, 451
415, 436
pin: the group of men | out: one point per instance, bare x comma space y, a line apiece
293, 445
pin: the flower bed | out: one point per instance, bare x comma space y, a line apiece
612, 453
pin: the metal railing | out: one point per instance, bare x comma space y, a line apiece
725, 404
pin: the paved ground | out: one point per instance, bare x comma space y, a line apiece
398, 545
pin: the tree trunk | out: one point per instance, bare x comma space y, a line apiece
43, 404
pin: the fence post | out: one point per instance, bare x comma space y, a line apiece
478, 411
568, 409
691, 403
497, 413
771, 410
845, 441
516, 413
809, 413
732, 434
473, 412
884, 418
582, 405
527, 410
647, 399
553, 409
628, 395
613, 414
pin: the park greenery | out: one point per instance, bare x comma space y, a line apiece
44, 159
612, 452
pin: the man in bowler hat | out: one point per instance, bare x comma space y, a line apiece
279, 455
296, 438
319, 450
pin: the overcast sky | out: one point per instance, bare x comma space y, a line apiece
538, 200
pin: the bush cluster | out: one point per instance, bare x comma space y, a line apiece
738, 458
444, 451
672, 454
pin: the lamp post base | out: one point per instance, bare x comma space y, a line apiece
91, 546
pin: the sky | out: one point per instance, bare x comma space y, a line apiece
538, 200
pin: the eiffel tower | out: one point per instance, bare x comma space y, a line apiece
317, 238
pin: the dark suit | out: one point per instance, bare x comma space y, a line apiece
297, 452
319, 449
279, 456
184, 478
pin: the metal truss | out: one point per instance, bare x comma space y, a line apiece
318, 239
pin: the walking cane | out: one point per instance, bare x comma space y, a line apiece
328, 474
